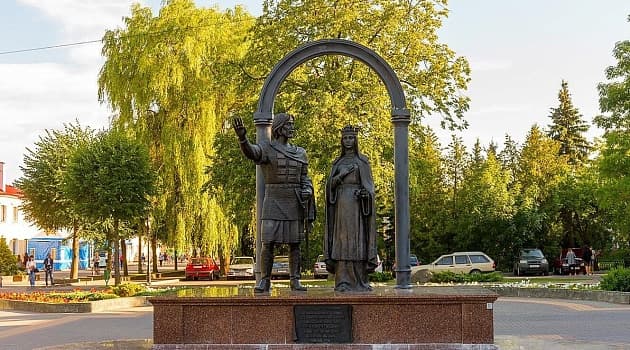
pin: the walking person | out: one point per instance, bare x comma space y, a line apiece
31, 268
96, 259
587, 256
571, 261
161, 259
48, 269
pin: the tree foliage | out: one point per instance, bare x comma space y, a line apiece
110, 179
45, 203
179, 65
568, 128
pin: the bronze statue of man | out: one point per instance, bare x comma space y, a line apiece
288, 207
350, 237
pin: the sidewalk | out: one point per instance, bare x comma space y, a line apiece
86, 279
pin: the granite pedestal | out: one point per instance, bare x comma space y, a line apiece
387, 318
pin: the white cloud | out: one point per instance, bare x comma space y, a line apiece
489, 65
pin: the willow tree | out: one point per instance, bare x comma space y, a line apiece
332, 91
169, 79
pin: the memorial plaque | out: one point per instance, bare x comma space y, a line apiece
323, 323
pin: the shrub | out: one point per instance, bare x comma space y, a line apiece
381, 276
128, 289
451, 277
616, 280
8, 261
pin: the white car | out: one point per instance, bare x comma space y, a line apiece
319, 269
460, 262
241, 267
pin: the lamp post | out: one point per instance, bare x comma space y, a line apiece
148, 253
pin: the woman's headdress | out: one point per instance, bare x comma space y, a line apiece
350, 130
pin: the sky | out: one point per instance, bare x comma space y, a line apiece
519, 51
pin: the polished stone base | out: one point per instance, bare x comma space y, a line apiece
418, 318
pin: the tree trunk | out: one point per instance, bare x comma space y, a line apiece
154, 254
140, 270
175, 256
74, 268
116, 254
123, 244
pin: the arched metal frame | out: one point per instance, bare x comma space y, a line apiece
400, 120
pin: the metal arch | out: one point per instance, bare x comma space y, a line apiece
330, 47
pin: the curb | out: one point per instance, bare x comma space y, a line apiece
84, 307
559, 293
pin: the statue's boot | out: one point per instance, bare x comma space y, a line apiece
294, 269
266, 264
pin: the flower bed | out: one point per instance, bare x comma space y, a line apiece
76, 296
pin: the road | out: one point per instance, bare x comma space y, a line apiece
519, 324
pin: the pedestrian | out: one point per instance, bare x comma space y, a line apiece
571, 261
48, 269
96, 259
31, 268
25, 260
587, 256
161, 259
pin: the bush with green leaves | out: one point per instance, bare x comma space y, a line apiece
616, 280
8, 261
128, 289
452, 277
381, 276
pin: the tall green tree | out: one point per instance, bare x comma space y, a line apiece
8, 261
541, 170
428, 198
614, 163
111, 179
45, 203
180, 64
568, 127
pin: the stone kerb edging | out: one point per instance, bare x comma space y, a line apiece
560, 293
85, 307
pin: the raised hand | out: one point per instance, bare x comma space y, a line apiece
239, 128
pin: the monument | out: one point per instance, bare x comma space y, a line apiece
352, 316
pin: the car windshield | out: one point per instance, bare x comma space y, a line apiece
320, 258
532, 253
413, 260
198, 261
238, 261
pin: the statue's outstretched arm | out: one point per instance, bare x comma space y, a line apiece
250, 151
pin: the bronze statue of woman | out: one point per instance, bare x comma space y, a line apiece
350, 237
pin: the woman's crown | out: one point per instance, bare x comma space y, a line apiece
349, 129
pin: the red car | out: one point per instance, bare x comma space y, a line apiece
202, 267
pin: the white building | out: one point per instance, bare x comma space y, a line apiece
13, 226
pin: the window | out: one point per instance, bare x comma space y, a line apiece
479, 259
15, 214
3, 213
461, 259
447, 260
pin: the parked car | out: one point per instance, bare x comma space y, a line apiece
202, 267
413, 260
460, 262
561, 265
531, 261
280, 267
241, 267
319, 268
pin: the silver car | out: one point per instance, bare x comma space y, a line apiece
319, 269
241, 267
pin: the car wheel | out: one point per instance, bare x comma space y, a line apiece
546, 273
517, 271
211, 276
474, 272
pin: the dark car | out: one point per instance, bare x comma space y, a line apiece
531, 261
202, 267
280, 267
561, 265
